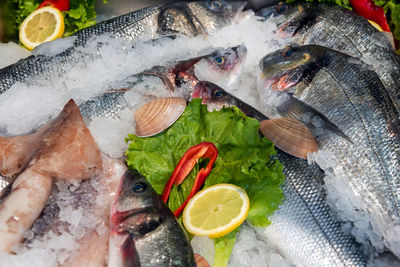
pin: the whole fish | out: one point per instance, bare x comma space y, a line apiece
187, 18
224, 63
343, 30
322, 87
144, 231
303, 228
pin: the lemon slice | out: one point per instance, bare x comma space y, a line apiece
42, 25
216, 210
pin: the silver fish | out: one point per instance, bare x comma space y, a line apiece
222, 62
303, 228
310, 80
188, 18
343, 30
144, 231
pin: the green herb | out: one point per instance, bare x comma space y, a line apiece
244, 159
80, 15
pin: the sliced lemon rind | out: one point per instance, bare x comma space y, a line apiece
222, 230
58, 32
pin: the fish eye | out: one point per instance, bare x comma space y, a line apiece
282, 9
287, 52
215, 5
219, 60
218, 93
139, 187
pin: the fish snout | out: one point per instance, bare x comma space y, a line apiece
236, 11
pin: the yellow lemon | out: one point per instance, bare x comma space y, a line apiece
216, 210
42, 25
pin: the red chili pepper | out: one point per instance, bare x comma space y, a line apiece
62, 5
368, 10
185, 166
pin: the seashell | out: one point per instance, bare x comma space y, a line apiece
289, 135
157, 115
201, 261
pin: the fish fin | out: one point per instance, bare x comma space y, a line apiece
129, 253
119, 90
290, 135
315, 120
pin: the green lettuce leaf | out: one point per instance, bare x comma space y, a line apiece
244, 158
223, 248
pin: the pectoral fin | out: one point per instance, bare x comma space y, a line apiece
315, 121
290, 136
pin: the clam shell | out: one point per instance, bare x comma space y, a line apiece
201, 261
157, 115
289, 135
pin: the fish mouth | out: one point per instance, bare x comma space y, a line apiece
136, 222
200, 92
277, 83
120, 217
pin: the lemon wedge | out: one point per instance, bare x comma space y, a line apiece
216, 210
42, 25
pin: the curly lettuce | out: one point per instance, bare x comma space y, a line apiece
244, 158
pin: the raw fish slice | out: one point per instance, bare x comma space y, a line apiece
16, 152
67, 150
62, 148
23, 205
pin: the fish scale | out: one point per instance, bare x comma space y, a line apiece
366, 169
148, 23
303, 227
130, 25
353, 35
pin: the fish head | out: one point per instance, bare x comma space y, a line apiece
280, 9
288, 17
135, 206
212, 15
294, 19
211, 94
216, 98
222, 67
284, 68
